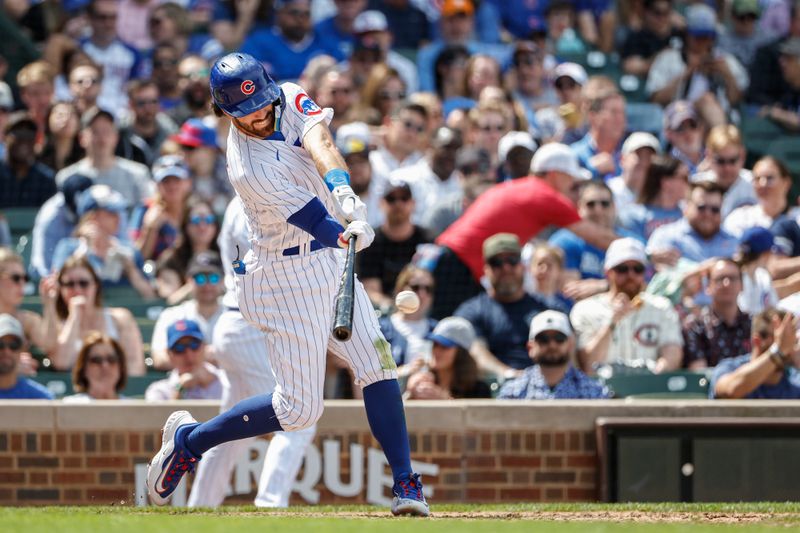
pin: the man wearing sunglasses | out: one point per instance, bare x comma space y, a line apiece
13, 386
698, 235
625, 325
204, 308
551, 346
395, 243
192, 378
405, 135
502, 314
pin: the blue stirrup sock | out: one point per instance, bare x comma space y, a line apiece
248, 418
387, 420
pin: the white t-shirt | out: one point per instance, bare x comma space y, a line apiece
757, 292
637, 337
184, 311
623, 196
426, 187
744, 218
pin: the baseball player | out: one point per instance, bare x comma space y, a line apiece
239, 350
286, 285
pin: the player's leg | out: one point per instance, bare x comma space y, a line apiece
281, 464
240, 350
296, 347
369, 355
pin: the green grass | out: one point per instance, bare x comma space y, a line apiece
511, 518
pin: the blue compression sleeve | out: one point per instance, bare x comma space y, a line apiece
315, 219
336, 177
248, 418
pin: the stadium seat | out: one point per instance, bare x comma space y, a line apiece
60, 383
645, 117
20, 220
674, 385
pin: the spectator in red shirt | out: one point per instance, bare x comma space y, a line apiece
522, 207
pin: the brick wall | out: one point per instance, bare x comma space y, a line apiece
52, 453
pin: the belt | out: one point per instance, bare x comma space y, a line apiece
295, 250
235, 309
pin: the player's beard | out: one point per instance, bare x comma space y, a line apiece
260, 128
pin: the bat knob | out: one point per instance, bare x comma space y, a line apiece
342, 334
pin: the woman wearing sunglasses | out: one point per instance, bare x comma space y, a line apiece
100, 372
155, 225
450, 372
407, 332
73, 307
12, 289
198, 233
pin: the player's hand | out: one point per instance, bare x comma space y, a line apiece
363, 232
350, 205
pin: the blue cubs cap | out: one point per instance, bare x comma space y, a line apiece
756, 241
240, 85
181, 329
701, 21
195, 133
100, 197
170, 165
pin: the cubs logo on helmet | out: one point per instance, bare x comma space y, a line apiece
248, 87
306, 105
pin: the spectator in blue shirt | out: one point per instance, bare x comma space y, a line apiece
12, 385
660, 198
338, 29
501, 316
551, 346
698, 236
600, 149
770, 371
286, 49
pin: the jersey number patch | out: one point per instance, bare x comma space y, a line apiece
306, 105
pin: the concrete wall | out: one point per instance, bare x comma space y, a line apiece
468, 451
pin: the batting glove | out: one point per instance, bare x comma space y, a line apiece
363, 232
350, 205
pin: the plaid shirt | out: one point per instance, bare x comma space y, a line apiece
531, 385
707, 336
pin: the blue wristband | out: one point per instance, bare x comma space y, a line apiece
336, 177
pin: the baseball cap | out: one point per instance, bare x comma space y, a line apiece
11, 326
470, 159
559, 158
514, 139
445, 136
701, 21
194, 132
756, 241
523, 48
677, 113
501, 243
573, 71
457, 102
370, 20
183, 328
791, 47
396, 184
72, 187
453, 331
20, 120
92, 114
622, 250
745, 7
353, 138
454, 7
550, 320
169, 165
205, 262
100, 197
640, 139
6, 98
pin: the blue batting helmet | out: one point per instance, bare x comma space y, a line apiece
240, 85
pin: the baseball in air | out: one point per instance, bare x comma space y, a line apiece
407, 301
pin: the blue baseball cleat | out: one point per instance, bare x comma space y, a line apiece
173, 460
408, 498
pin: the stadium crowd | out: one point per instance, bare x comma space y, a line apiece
568, 186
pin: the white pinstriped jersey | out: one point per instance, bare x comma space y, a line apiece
232, 235
276, 177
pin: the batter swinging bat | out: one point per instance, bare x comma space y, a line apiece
343, 314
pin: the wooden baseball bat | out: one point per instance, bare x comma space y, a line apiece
343, 313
